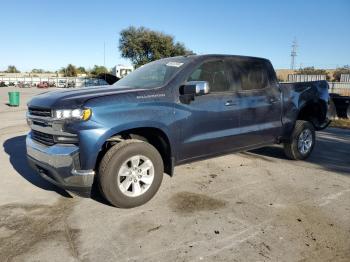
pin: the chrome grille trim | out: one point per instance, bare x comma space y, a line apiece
43, 138
42, 112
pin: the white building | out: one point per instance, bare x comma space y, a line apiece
121, 70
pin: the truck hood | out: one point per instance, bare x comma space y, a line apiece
73, 98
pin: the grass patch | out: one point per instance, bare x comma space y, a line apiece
341, 123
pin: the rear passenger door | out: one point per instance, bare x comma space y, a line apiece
259, 100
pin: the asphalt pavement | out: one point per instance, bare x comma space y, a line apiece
252, 206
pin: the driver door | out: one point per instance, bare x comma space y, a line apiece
209, 122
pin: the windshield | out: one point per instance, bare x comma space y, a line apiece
153, 74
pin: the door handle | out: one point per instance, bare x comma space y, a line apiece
230, 103
273, 100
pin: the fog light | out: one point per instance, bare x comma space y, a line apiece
66, 139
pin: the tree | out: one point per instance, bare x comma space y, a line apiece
69, 71
312, 71
81, 70
37, 71
98, 70
341, 70
143, 45
12, 69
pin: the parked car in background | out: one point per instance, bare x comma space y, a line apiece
71, 83
95, 82
123, 137
24, 85
62, 83
44, 84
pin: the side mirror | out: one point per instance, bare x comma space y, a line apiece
196, 88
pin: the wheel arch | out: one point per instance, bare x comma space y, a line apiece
314, 111
154, 135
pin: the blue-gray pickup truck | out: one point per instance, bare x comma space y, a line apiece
122, 138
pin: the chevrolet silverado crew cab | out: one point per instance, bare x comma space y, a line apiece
123, 138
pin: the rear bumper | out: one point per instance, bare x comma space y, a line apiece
60, 165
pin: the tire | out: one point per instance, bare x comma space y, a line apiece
119, 160
291, 148
348, 112
332, 110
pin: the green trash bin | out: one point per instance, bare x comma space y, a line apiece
13, 98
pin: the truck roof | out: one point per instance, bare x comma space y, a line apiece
206, 56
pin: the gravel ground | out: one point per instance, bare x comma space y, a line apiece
254, 206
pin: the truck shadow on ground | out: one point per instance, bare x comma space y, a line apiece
15, 147
331, 152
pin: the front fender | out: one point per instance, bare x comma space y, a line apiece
92, 140
110, 119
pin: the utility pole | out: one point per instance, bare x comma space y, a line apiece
293, 53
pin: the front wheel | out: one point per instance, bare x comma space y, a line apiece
130, 173
302, 141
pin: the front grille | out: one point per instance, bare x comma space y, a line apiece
44, 112
41, 123
43, 138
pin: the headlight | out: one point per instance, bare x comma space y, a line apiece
83, 114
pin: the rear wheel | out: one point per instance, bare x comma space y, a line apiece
130, 173
302, 141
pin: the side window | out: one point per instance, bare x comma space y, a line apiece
214, 73
235, 76
272, 78
253, 74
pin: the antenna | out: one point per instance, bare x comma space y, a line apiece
104, 53
293, 53
104, 56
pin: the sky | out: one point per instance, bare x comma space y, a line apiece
51, 34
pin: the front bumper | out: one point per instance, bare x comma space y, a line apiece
60, 165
